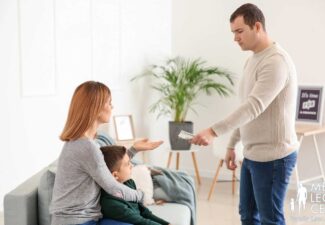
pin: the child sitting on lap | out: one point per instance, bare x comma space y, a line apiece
118, 162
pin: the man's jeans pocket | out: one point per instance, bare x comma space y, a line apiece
289, 164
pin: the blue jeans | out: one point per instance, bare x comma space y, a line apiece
263, 187
105, 222
111, 222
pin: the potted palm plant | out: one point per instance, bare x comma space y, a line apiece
179, 82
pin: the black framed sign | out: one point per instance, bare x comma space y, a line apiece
309, 104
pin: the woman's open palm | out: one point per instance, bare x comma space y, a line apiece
145, 144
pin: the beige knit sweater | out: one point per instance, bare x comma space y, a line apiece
265, 120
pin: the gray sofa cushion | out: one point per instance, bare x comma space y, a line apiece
45, 189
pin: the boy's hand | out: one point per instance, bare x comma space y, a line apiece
160, 202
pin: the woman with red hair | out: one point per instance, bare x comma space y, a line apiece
82, 171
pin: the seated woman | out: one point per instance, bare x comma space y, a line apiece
82, 171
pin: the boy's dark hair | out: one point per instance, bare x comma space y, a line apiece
113, 155
251, 14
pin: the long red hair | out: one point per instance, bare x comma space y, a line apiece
87, 102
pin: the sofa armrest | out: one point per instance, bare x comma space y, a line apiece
20, 205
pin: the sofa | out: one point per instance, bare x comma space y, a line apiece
28, 204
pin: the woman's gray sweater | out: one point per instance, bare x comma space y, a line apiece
80, 175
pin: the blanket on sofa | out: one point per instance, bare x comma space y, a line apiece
179, 187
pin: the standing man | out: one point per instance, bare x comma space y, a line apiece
264, 122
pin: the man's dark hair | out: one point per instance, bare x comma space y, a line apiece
251, 14
113, 156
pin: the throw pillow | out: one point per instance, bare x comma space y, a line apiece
45, 189
142, 178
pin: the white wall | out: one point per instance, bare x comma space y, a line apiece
201, 29
61, 44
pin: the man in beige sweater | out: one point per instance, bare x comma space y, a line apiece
264, 122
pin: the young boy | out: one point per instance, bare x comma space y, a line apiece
118, 162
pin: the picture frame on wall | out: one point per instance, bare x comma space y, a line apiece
124, 128
310, 104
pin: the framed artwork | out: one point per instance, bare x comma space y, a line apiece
124, 127
310, 104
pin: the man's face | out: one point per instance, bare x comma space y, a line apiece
245, 36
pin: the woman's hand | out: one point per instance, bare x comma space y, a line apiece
145, 145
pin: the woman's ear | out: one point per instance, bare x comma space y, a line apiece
115, 175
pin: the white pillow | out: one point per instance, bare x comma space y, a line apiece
142, 178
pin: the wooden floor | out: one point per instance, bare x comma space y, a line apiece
222, 209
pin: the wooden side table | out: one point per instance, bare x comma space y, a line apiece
178, 153
305, 131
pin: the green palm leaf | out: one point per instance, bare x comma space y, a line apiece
180, 81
